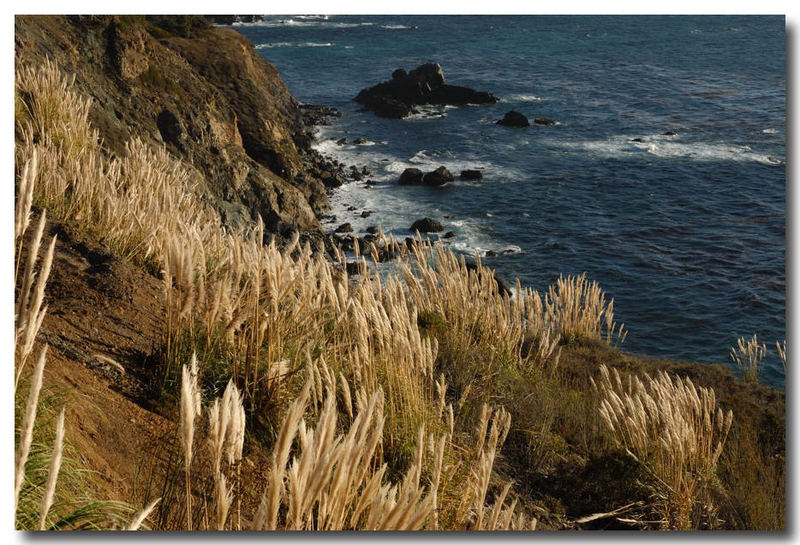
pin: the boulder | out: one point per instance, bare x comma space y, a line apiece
427, 225
514, 119
411, 176
366, 213
341, 142
344, 228
544, 121
471, 175
424, 85
669, 133
449, 234
360, 141
440, 176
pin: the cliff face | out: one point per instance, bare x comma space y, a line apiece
211, 99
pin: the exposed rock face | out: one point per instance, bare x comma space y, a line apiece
427, 225
211, 99
424, 85
440, 176
514, 119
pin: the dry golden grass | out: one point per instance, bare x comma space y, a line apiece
676, 430
747, 355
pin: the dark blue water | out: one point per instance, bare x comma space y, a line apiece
686, 233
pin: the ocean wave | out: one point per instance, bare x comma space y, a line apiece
770, 131
304, 23
666, 147
293, 44
398, 27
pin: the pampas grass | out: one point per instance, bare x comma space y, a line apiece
676, 430
747, 355
52, 473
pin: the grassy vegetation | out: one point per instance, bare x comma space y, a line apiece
366, 391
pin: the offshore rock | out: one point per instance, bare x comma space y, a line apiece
424, 85
514, 119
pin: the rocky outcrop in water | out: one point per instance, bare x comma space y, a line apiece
427, 225
514, 119
440, 176
397, 97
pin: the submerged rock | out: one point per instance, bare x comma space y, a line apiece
424, 85
544, 121
471, 175
514, 119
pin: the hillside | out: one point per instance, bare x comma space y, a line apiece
443, 402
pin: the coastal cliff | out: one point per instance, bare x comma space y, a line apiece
209, 98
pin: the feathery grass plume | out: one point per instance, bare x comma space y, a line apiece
26, 435
140, 517
576, 307
28, 308
781, 347
189, 409
747, 355
52, 473
672, 427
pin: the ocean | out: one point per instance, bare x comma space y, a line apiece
685, 231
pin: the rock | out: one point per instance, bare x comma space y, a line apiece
502, 286
372, 229
424, 85
637, 139
669, 133
449, 234
365, 171
341, 142
471, 175
427, 225
360, 141
390, 108
170, 127
331, 180
440, 176
366, 213
490, 253
514, 119
544, 121
410, 176
370, 183
352, 268
344, 228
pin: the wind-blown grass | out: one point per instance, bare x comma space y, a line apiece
676, 430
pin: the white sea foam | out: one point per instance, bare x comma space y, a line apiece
667, 147
299, 22
770, 131
521, 97
293, 44
398, 27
